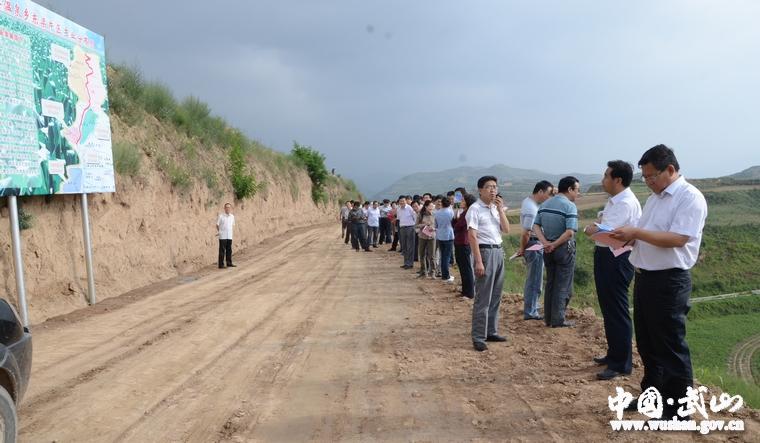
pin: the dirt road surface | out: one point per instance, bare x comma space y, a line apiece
307, 340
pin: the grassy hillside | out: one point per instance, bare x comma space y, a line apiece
207, 150
729, 257
751, 173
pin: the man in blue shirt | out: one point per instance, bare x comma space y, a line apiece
555, 227
444, 234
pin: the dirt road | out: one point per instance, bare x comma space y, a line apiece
307, 340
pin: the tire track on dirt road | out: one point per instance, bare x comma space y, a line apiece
56, 391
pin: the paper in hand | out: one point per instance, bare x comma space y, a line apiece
603, 228
536, 247
606, 238
621, 251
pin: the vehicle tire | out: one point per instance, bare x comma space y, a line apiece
7, 417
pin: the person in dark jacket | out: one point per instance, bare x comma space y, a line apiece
462, 252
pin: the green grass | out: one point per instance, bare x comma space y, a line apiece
127, 158
179, 177
729, 255
711, 341
584, 294
159, 101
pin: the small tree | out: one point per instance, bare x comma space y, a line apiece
243, 183
314, 162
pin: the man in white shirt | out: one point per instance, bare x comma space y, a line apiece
407, 218
534, 260
224, 225
386, 230
666, 247
373, 224
486, 221
613, 274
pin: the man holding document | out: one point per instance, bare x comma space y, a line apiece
667, 240
612, 270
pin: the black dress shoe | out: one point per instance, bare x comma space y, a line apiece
221, 266
479, 346
609, 374
535, 317
600, 360
496, 338
231, 266
567, 324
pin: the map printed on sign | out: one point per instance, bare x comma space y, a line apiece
55, 130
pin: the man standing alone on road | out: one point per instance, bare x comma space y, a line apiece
534, 260
666, 247
555, 227
224, 225
613, 274
486, 221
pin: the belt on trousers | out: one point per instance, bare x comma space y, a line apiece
661, 271
489, 246
533, 239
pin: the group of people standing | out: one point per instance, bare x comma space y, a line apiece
656, 247
421, 228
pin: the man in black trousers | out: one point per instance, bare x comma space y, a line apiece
667, 241
613, 274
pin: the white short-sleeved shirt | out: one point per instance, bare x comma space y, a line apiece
621, 210
681, 209
225, 223
373, 217
528, 212
485, 219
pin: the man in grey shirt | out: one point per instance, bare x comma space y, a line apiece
534, 260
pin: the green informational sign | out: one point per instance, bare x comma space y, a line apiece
55, 132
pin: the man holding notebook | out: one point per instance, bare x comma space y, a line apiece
612, 270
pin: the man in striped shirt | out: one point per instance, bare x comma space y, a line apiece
555, 227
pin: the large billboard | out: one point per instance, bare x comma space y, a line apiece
55, 132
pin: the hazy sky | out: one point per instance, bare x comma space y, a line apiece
386, 88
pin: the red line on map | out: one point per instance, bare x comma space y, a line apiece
89, 96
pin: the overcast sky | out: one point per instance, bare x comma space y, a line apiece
386, 88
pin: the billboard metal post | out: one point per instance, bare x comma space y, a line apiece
18, 263
88, 250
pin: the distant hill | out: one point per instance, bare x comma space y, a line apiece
751, 173
514, 183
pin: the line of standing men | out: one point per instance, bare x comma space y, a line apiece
664, 238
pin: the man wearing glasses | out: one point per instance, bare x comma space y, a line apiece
555, 226
666, 247
486, 221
